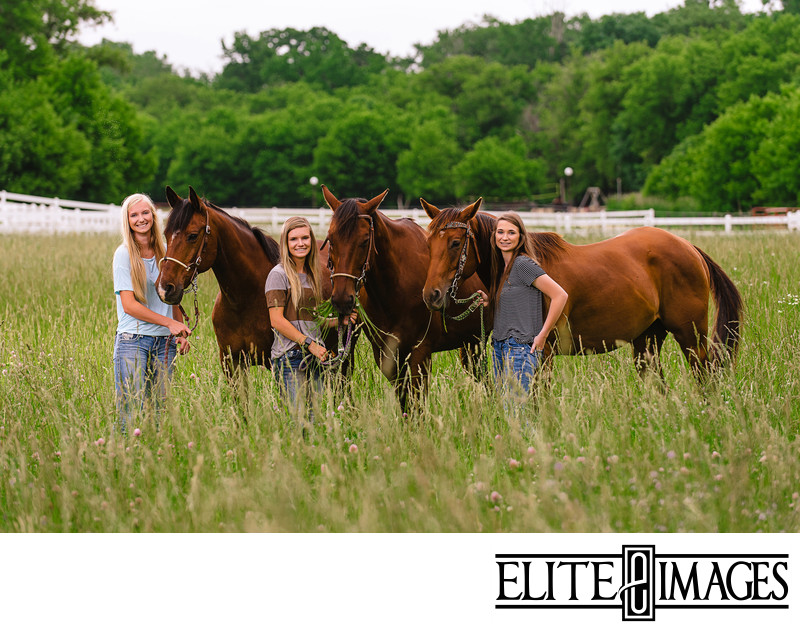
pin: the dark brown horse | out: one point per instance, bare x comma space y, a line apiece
634, 288
201, 236
384, 262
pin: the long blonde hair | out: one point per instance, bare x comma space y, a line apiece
500, 270
311, 262
138, 273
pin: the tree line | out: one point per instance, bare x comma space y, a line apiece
698, 103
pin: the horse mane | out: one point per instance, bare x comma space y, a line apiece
179, 218
547, 246
345, 217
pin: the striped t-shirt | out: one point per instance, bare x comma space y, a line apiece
518, 312
277, 292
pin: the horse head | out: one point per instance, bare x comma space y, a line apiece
191, 248
453, 251
352, 243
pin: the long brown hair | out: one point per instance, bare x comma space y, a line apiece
138, 273
500, 270
311, 262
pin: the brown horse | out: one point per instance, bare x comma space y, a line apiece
384, 262
634, 288
201, 236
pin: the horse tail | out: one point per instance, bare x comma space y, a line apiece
729, 310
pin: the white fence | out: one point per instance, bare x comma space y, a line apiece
28, 213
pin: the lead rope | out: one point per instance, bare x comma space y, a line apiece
345, 336
185, 317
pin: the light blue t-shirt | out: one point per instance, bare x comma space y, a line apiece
122, 282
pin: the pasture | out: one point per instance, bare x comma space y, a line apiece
599, 451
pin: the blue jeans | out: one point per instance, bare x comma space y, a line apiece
140, 372
295, 376
515, 364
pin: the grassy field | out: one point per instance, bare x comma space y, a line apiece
600, 451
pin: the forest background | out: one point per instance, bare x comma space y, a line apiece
697, 107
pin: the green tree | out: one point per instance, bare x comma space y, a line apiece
35, 31
757, 61
776, 161
558, 141
279, 56
487, 98
121, 68
726, 167
603, 156
280, 147
39, 152
358, 154
425, 168
698, 16
498, 170
671, 96
119, 160
526, 43
603, 33
206, 157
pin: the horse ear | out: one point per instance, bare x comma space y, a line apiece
172, 197
469, 212
195, 199
430, 209
372, 205
330, 199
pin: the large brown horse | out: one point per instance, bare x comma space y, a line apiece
201, 236
384, 262
634, 288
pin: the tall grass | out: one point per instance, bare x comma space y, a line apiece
598, 450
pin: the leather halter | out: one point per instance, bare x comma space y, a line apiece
462, 258
192, 283
359, 280
196, 263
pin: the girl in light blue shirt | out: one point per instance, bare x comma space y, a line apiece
148, 329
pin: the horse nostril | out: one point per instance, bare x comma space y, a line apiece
436, 295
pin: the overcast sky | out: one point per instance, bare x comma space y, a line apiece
189, 32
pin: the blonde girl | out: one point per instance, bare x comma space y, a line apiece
142, 355
294, 291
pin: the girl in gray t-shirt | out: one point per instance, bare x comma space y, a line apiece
293, 292
518, 283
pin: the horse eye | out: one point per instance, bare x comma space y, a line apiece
455, 244
192, 238
365, 242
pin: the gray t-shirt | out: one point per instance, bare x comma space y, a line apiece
277, 291
518, 312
